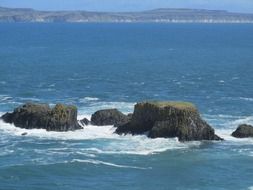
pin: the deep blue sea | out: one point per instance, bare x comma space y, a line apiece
96, 66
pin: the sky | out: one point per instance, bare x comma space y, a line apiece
245, 6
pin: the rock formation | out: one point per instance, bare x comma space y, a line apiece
243, 131
41, 116
168, 119
85, 121
109, 117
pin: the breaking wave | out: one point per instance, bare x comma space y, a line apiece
98, 162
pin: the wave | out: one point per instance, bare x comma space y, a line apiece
246, 99
6, 151
41, 162
82, 116
103, 140
225, 124
29, 99
98, 162
228, 121
4, 98
226, 134
88, 99
92, 106
3, 82
107, 142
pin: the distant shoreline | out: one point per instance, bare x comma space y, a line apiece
194, 22
21, 15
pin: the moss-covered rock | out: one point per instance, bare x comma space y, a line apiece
168, 119
243, 131
41, 116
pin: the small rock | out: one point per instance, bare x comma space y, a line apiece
109, 117
243, 131
85, 121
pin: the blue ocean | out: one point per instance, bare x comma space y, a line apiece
97, 66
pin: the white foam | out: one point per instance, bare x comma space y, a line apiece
235, 78
5, 152
242, 120
226, 134
229, 121
98, 162
93, 106
6, 98
30, 99
142, 145
139, 83
246, 99
107, 141
227, 125
88, 99
250, 188
82, 116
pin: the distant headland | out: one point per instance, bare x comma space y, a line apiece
165, 15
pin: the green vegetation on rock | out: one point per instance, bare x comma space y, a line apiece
177, 105
168, 119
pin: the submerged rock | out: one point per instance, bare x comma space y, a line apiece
109, 117
41, 116
168, 119
243, 131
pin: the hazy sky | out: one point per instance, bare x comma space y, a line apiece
130, 5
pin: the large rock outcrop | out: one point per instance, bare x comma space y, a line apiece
109, 117
168, 119
243, 131
41, 116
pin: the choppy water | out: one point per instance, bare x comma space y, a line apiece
97, 66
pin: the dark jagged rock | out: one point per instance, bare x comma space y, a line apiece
130, 115
63, 118
168, 119
41, 116
85, 121
243, 131
109, 117
7, 118
24, 134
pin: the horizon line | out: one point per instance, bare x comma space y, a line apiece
144, 10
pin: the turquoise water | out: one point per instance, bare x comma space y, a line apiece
96, 66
